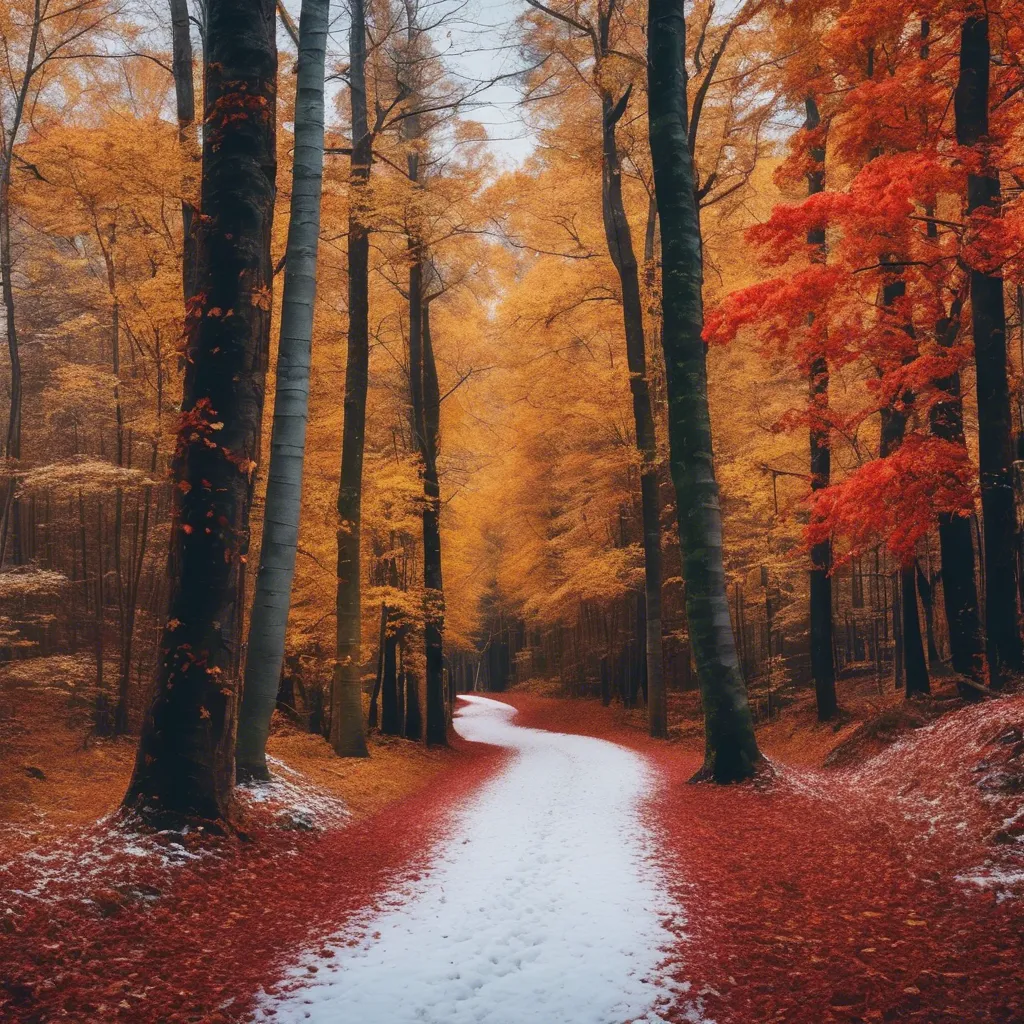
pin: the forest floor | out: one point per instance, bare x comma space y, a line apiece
886, 886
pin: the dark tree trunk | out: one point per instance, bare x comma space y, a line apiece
988, 318
185, 764
391, 723
374, 717
731, 751
823, 669
347, 736
914, 664
926, 592
413, 715
959, 589
185, 104
620, 248
433, 626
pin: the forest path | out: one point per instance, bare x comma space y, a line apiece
542, 904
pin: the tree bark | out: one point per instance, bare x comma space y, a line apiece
433, 625
10, 531
823, 669
620, 248
185, 109
347, 734
988, 318
893, 428
272, 598
185, 766
731, 751
956, 546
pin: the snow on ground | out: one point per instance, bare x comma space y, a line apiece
294, 800
113, 852
542, 904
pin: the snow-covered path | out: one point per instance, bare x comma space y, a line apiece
542, 905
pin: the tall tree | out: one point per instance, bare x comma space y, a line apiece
185, 109
433, 585
823, 669
424, 401
893, 429
272, 598
988, 320
731, 751
623, 256
347, 735
186, 758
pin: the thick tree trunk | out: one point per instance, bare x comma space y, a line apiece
433, 625
823, 669
283, 506
988, 318
731, 751
620, 248
186, 759
347, 734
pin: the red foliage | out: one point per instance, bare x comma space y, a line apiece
195, 942
896, 498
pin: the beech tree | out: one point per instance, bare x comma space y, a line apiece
186, 759
272, 598
731, 751
988, 322
347, 735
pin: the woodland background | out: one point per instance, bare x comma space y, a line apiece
832, 179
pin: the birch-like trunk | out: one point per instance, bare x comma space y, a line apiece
730, 751
272, 598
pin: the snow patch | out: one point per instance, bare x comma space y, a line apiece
295, 801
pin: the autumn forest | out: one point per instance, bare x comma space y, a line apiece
555, 464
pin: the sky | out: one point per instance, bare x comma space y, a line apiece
482, 47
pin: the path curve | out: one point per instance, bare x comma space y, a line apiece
542, 904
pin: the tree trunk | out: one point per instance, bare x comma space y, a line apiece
914, 664
10, 532
926, 592
347, 734
272, 597
731, 751
374, 716
988, 319
185, 109
823, 669
620, 248
956, 546
391, 718
186, 759
433, 584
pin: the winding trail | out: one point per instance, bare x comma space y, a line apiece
543, 904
